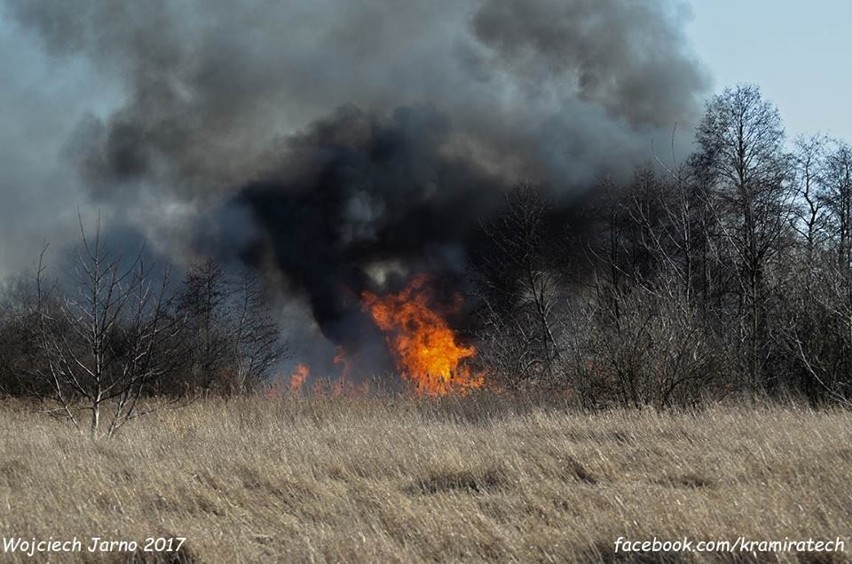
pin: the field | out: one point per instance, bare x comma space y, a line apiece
381, 480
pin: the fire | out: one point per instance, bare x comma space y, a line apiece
342, 386
297, 379
331, 387
426, 350
340, 359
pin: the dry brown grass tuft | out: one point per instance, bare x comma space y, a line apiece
376, 480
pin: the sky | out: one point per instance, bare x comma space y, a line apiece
799, 53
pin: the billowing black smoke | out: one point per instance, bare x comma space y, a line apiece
362, 198
339, 145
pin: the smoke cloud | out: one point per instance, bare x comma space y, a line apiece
339, 144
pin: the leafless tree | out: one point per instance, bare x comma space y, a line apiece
837, 198
809, 212
645, 340
256, 343
105, 339
202, 302
819, 326
17, 321
232, 337
746, 171
520, 289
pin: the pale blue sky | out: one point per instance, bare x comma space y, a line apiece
799, 53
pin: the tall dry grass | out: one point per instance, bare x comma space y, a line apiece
379, 480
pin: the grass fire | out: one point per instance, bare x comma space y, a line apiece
423, 281
426, 350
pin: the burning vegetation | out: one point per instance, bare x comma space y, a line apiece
506, 145
297, 379
426, 350
342, 385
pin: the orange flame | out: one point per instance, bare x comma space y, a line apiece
340, 359
297, 379
426, 350
342, 386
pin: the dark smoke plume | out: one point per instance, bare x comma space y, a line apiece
360, 196
337, 144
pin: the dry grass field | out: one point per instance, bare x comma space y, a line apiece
378, 480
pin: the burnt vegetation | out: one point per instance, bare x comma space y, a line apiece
727, 273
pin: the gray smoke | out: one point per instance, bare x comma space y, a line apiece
625, 56
203, 123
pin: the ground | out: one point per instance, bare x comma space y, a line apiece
390, 480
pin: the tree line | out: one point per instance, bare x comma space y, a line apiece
727, 274
113, 332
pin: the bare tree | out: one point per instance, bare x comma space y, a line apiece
18, 353
837, 198
231, 336
644, 341
104, 342
819, 329
202, 302
809, 212
657, 353
746, 172
257, 343
519, 285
